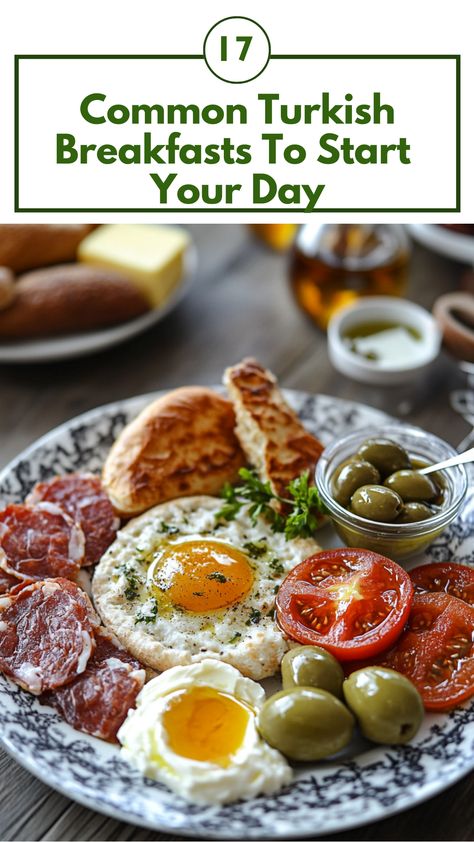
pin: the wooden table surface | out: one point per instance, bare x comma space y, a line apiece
240, 304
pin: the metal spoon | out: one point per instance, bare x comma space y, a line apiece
460, 459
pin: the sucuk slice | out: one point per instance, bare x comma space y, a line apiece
46, 634
84, 499
7, 581
39, 542
98, 700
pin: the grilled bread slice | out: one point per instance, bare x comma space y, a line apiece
182, 444
272, 437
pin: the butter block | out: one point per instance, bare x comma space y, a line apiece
152, 256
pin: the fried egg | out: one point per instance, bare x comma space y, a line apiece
194, 729
179, 584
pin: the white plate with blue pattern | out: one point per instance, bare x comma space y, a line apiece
367, 784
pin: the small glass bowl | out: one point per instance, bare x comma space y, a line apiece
394, 540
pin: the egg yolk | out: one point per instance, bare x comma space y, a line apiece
202, 576
205, 724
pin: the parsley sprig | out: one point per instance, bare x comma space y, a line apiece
304, 505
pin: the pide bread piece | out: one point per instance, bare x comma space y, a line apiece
69, 298
272, 437
24, 247
180, 445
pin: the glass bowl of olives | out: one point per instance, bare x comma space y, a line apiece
376, 496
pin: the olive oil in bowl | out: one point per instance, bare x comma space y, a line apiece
383, 342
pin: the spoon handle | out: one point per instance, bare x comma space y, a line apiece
460, 459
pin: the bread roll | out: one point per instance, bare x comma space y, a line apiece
272, 436
24, 247
7, 287
180, 445
65, 299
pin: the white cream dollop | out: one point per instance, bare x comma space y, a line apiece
255, 768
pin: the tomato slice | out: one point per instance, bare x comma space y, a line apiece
436, 651
455, 579
352, 602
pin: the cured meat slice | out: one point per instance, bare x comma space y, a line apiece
46, 634
39, 542
84, 499
98, 701
7, 581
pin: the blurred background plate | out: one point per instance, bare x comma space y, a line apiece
48, 349
444, 241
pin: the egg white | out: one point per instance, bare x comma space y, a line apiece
255, 769
244, 634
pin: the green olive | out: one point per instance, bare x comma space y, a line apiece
375, 502
350, 477
412, 486
414, 512
311, 666
305, 723
387, 705
343, 464
386, 455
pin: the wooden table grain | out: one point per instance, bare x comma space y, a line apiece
240, 304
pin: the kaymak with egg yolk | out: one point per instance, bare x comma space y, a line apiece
179, 584
194, 729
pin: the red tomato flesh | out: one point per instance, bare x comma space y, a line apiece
436, 650
352, 602
455, 579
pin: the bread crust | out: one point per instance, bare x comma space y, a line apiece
69, 298
272, 436
181, 445
24, 247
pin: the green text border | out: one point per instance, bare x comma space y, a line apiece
199, 57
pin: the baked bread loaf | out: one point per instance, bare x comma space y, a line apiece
24, 247
272, 437
64, 299
182, 444
7, 287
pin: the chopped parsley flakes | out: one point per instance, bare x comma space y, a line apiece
256, 549
147, 616
254, 618
170, 530
132, 588
218, 577
276, 566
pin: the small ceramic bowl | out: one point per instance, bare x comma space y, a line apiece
394, 540
380, 309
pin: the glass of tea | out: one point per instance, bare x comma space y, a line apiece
332, 265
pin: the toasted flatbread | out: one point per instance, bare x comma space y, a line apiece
182, 444
272, 437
